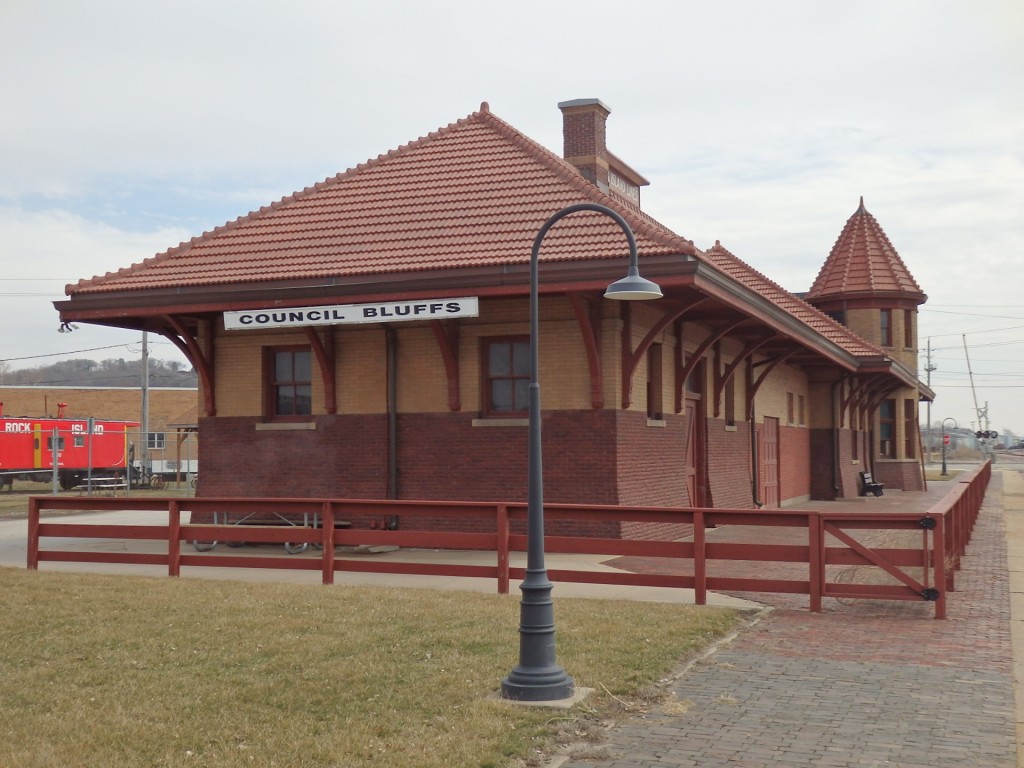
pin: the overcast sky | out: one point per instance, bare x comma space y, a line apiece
128, 126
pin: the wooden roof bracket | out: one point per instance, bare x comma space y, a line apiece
631, 358
447, 335
588, 317
323, 349
879, 394
200, 357
770, 364
683, 373
721, 376
860, 394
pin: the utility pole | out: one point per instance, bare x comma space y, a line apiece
928, 368
144, 437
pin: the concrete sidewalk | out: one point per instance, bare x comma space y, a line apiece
861, 685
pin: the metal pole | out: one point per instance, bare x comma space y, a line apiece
538, 677
144, 439
90, 426
53, 458
944, 436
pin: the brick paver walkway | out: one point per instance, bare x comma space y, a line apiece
863, 684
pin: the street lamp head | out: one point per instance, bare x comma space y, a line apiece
633, 288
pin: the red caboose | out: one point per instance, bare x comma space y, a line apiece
29, 447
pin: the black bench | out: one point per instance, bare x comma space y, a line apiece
869, 485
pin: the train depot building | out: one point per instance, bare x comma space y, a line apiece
368, 337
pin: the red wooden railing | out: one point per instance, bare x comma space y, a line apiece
822, 544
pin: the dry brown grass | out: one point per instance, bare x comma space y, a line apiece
127, 671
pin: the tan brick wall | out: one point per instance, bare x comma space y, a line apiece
360, 357
771, 397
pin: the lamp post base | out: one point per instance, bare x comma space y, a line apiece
544, 684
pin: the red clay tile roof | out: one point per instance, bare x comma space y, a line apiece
471, 194
863, 261
821, 323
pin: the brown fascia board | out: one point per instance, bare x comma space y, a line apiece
498, 280
869, 300
718, 285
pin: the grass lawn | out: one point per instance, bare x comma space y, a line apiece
132, 671
934, 474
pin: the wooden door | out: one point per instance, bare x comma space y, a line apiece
695, 458
769, 460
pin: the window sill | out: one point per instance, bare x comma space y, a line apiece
284, 426
656, 423
501, 422
730, 427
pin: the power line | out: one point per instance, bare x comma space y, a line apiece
61, 354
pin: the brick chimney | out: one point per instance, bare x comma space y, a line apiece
583, 133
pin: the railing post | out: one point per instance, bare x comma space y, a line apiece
327, 563
502, 547
173, 538
700, 564
816, 560
943, 575
33, 533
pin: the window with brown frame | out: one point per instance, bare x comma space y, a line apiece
910, 428
908, 328
886, 327
655, 409
790, 409
288, 377
730, 401
506, 376
887, 429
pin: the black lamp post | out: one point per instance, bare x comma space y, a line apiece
538, 677
945, 437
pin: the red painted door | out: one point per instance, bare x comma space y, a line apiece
695, 466
769, 455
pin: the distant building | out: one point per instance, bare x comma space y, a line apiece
167, 408
368, 336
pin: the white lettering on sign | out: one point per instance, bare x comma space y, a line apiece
15, 426
346, 314
97, 429
623, 188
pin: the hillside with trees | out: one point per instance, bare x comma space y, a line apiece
105, 373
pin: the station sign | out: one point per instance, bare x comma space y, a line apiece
351, 314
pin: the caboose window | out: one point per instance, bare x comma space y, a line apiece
78, 441
288, 372
60, 443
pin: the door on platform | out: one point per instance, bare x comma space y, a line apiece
695, 474
769, 459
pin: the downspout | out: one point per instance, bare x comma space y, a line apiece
755, 472
391, 339
837, 486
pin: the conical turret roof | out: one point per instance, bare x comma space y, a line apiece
864, 263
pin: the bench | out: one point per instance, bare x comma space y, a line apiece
109, 485
869, 485
271, 519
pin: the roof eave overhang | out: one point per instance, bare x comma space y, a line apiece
498, 280
718, 285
